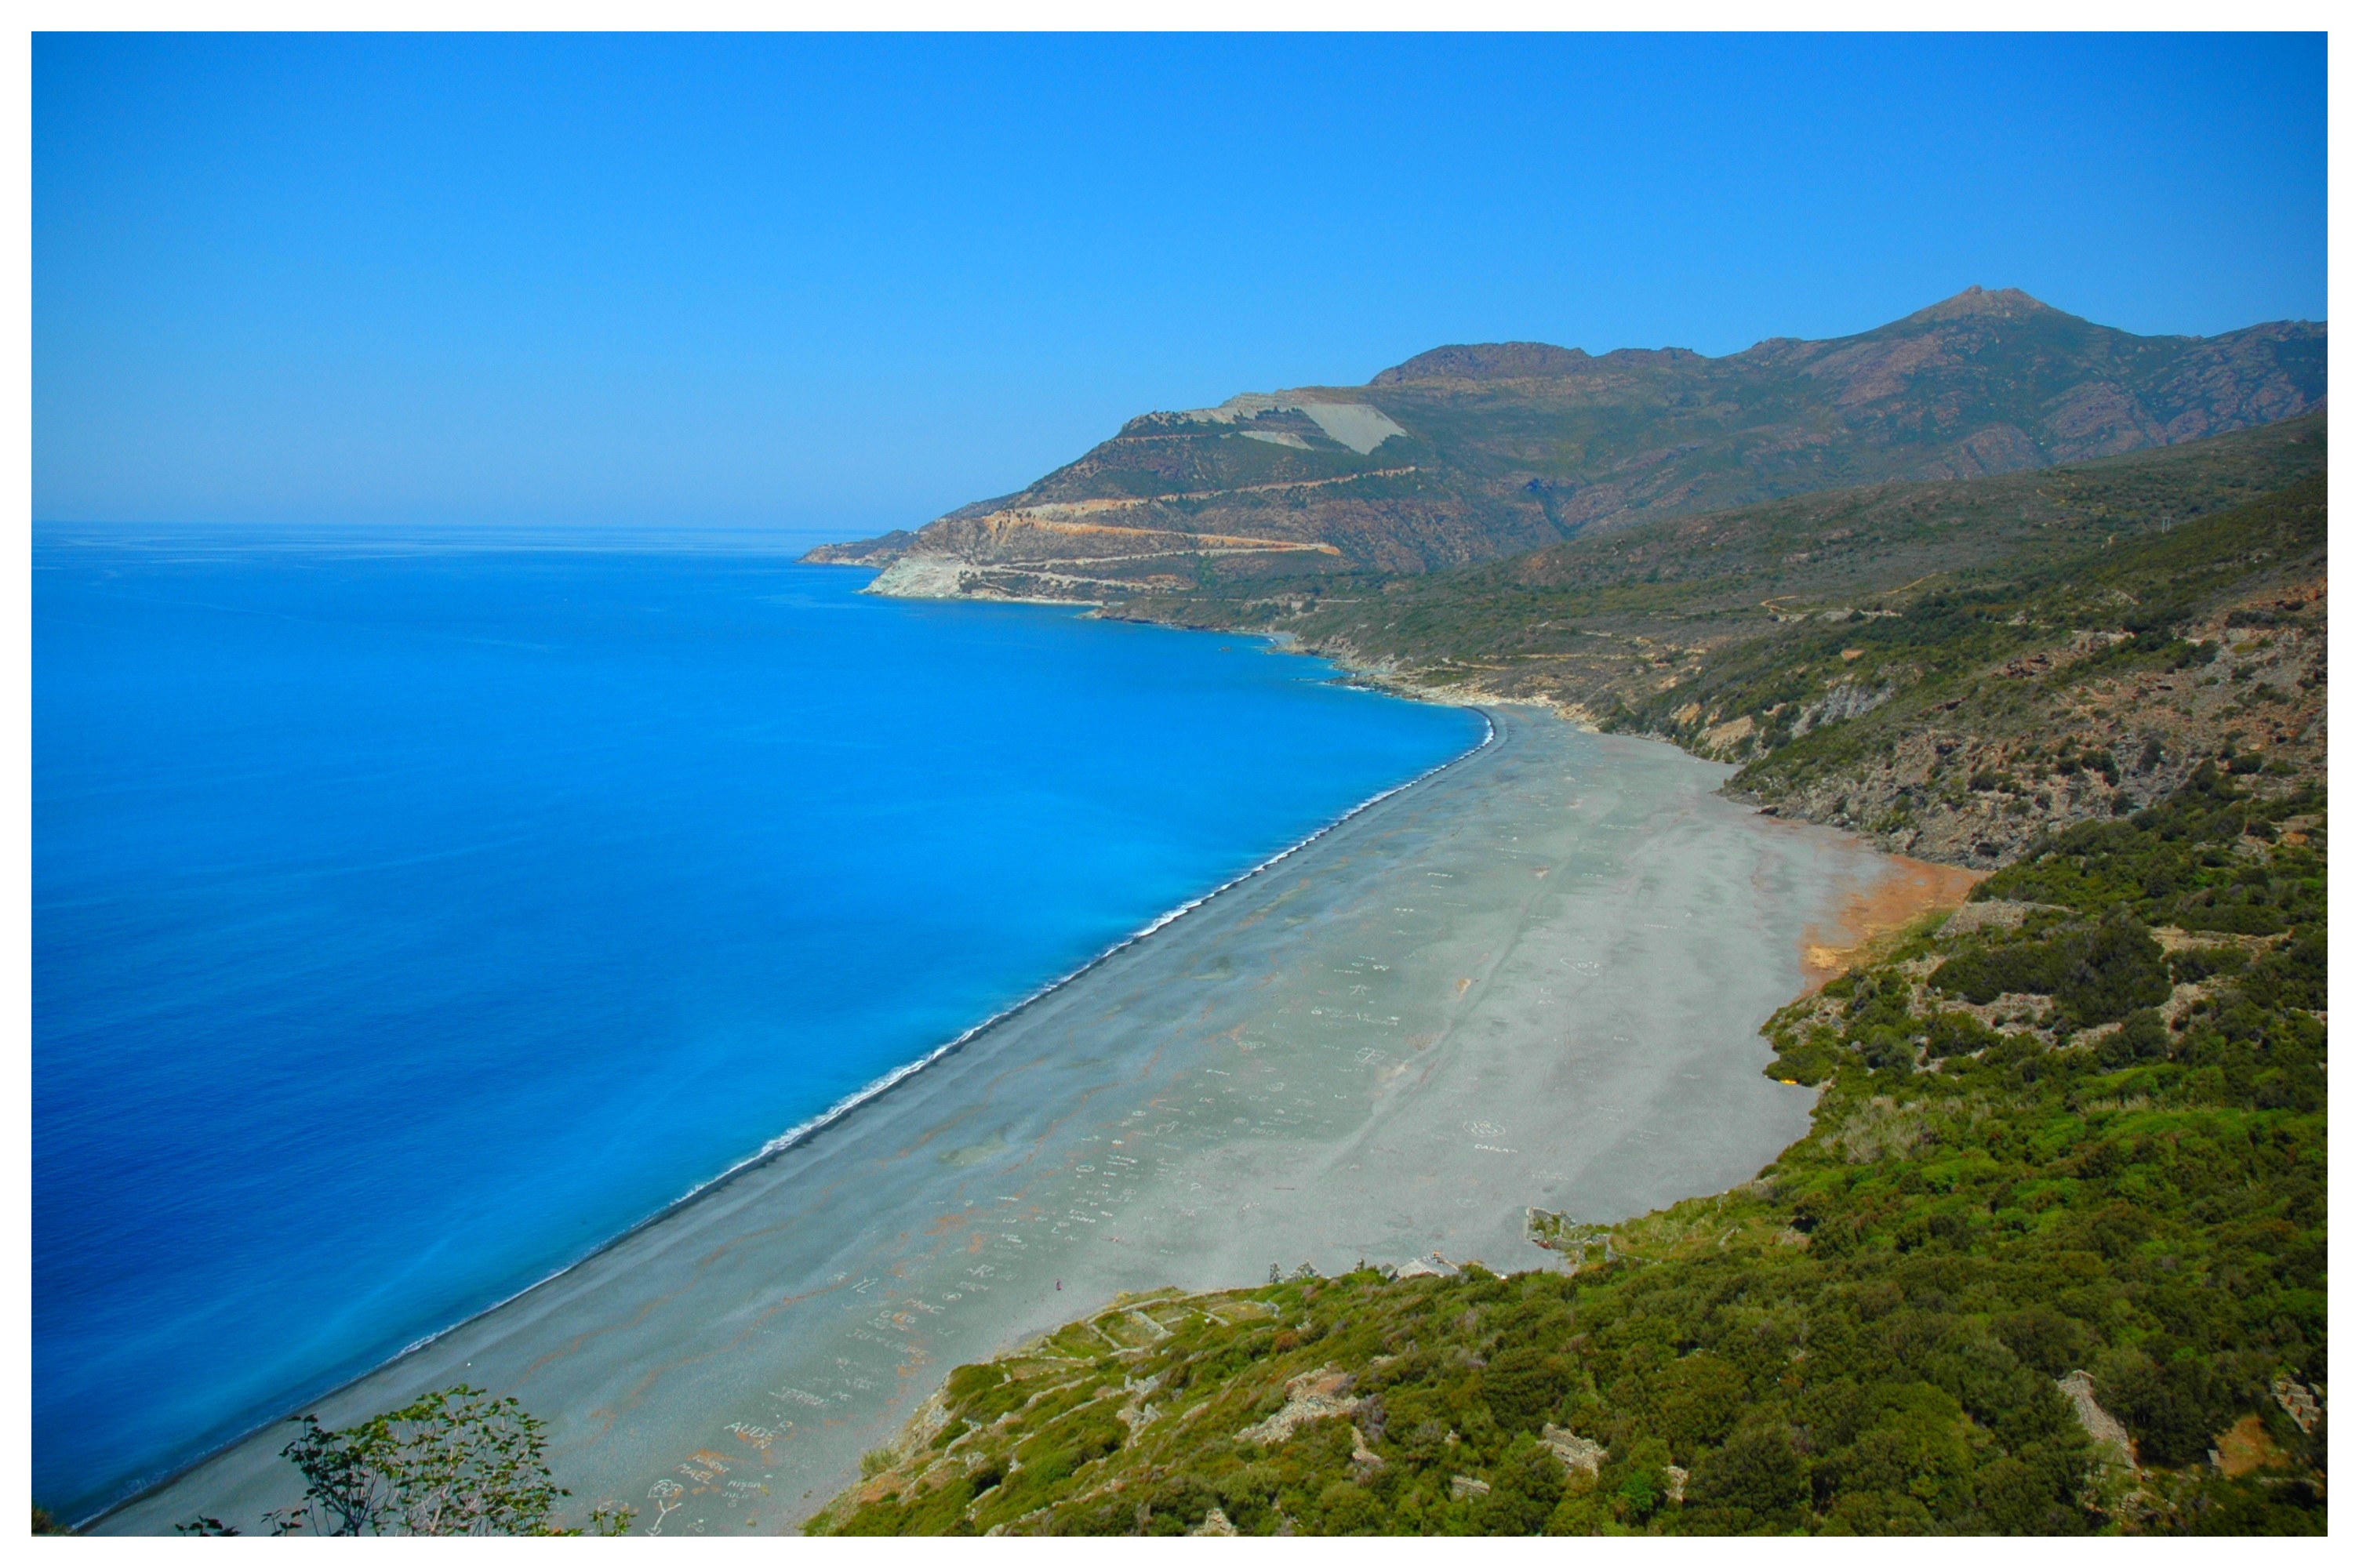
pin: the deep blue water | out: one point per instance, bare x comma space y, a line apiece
405, 923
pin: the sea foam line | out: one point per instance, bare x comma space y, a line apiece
802, 1132
858, 1098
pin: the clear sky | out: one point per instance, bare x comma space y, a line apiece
849, 283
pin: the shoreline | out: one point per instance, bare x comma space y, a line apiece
1439, 1002
803, 1132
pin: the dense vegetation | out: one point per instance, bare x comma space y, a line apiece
2070, 1144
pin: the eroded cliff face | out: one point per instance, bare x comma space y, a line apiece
1475, 451
1953, 670
1979, 789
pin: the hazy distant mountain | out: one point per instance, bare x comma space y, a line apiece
1475, 450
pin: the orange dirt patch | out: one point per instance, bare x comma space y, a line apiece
2246, 1447
1907, 890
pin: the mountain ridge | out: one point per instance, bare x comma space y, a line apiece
1468, 452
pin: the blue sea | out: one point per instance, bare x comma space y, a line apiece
411, 916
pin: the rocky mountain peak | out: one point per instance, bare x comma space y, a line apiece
1976, 300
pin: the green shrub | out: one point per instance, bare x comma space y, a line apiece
2095, 974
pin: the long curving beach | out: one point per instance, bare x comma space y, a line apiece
1533, 979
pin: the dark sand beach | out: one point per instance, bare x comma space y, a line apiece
1533, 979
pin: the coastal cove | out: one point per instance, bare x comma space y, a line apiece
770, 798
436, 907
1533, 979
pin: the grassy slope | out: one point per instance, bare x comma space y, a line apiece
2115, 1165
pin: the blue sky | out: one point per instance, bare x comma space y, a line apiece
849, 283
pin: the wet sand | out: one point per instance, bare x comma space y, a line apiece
1534, 978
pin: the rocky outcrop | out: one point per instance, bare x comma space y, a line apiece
1312, 1396
2107, 1436
1575, 1453
2300, 1404
1970, 788
1215, 1523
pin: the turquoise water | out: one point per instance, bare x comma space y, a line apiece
408, 920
